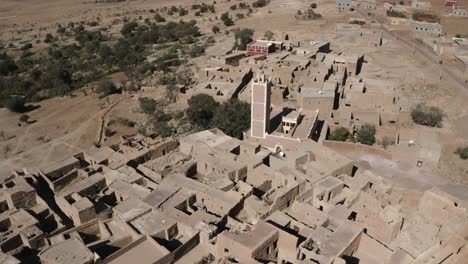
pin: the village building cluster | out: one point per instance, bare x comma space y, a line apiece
281, 195
210, 198
433, 28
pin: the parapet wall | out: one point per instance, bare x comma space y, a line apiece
347, 147
180, 251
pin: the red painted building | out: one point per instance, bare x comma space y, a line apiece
450, 3
263, 47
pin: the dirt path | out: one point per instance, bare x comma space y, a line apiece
104, 120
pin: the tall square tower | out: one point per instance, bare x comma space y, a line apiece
260, 107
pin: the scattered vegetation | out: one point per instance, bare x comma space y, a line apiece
366, 134
340, 134
64, 68
425, 115
310, 14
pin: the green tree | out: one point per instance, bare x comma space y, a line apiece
201, 110
7, 64
242, 38
196, 50
147, 105
340, 134
366, 134
427, 115
227, 20
15, 104
232, 117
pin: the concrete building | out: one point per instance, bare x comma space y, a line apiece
426, 28
416, 4
343, 6
263, 47
458, 11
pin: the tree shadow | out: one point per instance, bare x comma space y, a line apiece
30, 108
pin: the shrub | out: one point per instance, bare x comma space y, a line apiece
232, 117
201, 110
24, 118
183, 12
260, 3
427, 115
226, 19
147, 105
159, 18
366, 134
462, 152
27, 46
105, 87
240, 16
108, 132
386, 141
15, 104
215, 29
313, 5
165, 130
340, 134
268, 35
196, 50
